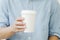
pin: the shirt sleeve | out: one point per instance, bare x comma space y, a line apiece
55, 19
4, 18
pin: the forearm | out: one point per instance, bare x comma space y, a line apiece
6, 33
3, 39
53, 38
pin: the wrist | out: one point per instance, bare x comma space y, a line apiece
11, 29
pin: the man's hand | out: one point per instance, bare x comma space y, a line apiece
19, 25
7, 32
53, 38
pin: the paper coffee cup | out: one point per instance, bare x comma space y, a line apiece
29, 19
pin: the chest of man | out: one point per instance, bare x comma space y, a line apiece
42, 16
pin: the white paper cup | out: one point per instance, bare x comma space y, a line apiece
29, 19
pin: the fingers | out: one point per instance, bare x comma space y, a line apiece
20, 24
20, 19
20, 30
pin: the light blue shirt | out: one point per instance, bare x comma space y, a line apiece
47, 17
